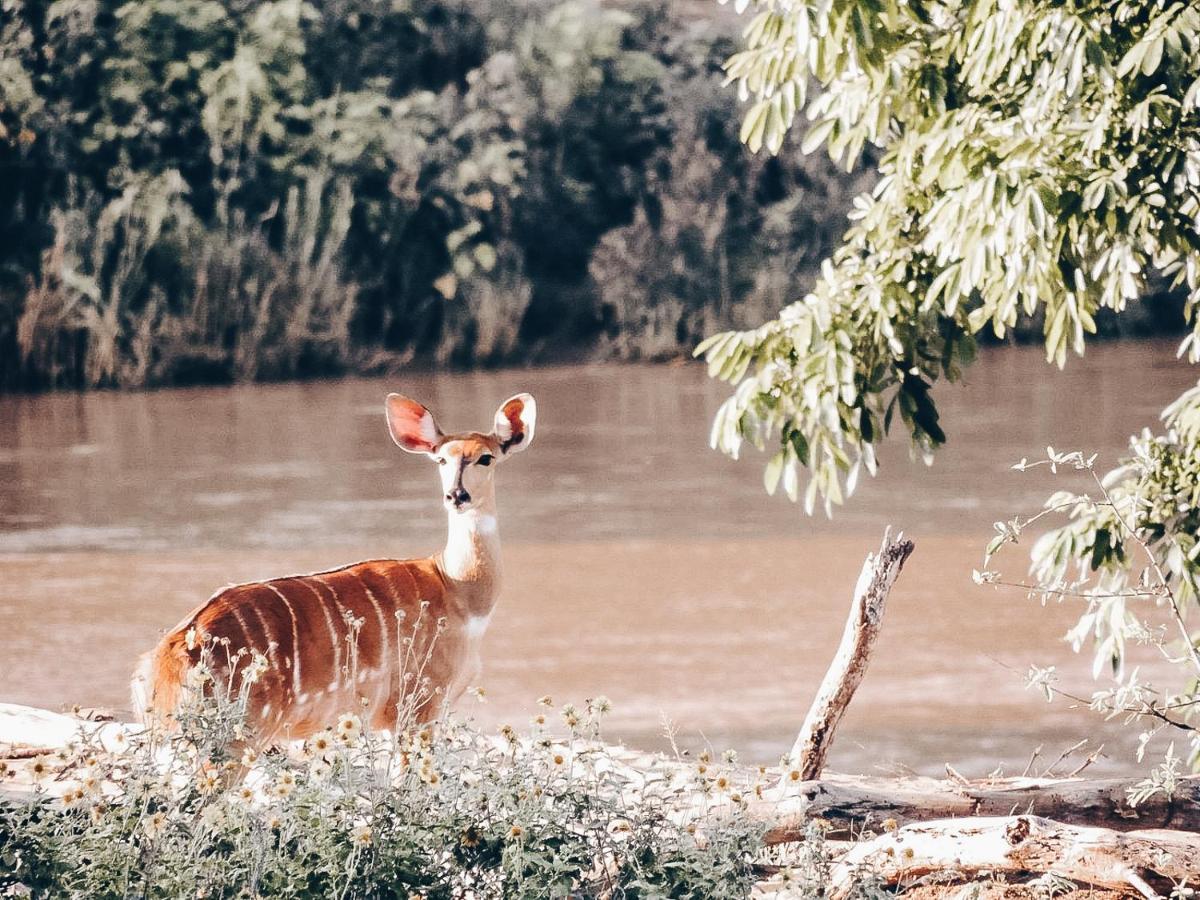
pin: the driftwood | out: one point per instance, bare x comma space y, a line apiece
1146, 861
1082, 830
849, 803
879, 573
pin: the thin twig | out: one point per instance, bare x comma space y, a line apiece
1032, 758
1176, 613
1092, 757
1129, 594
1048, 772
1146, 709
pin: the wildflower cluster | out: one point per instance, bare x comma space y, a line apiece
441, 811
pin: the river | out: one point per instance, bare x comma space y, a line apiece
639, 564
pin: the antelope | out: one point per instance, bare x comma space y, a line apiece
385, 613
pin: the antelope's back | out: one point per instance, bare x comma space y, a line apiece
331, 641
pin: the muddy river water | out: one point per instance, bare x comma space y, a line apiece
639, 563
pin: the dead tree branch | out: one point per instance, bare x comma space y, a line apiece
846, 672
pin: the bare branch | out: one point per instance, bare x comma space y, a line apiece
846, 672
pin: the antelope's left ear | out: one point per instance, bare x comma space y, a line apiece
411, 425
514, 423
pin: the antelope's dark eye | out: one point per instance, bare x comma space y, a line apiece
485, 460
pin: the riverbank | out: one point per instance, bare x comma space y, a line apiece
718, 829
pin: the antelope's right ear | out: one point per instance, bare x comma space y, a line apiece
514, 423
411, 425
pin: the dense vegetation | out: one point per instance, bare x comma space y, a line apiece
436, 812
201, 190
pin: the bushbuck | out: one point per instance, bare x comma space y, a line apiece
384, 639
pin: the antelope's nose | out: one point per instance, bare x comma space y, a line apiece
458, 496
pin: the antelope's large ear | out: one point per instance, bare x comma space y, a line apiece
514, 423
411, 425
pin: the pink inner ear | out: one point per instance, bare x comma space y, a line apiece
412, 425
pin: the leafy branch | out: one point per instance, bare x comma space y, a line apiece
1034, 159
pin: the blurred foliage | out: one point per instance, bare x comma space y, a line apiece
1036, 159
194, 190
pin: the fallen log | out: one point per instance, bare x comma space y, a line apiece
849, 803
1146, 861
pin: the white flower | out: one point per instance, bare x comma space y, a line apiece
320, 744
285, 784
570, 715
258, 666
118, 740
599, 706
361, 835
73, 796
349, 727
207, 781
154, 825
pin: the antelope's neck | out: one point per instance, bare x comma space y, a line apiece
471, 560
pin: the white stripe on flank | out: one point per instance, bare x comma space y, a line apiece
381, 686
333, 638
272, 644
384, 642
336, 602
295, 639
346, 618
237, 614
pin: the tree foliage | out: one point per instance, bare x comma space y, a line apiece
1033, 157
1036, 159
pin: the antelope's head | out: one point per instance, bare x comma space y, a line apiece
467, 461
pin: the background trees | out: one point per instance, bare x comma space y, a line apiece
193, 190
